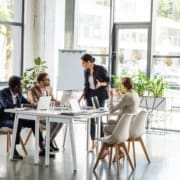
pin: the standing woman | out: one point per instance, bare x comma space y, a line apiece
96, 83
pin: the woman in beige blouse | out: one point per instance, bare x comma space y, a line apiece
128, 103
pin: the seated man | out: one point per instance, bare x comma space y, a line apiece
43, 88
12, 97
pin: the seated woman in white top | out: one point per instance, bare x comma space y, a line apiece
128, 103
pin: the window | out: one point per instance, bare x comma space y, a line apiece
10, 38
167, 27
168, 68
132, 10
93, 26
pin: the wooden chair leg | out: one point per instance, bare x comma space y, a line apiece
23, 146
28, 136
9, 140
127, 154
104, 146
144, 149
117, 157
7, 143
110, 157
134, 153
129, 143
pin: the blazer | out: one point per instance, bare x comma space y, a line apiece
35, 93
100, 74
128, 103
6, 102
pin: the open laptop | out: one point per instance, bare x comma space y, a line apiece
44, 103
75, 108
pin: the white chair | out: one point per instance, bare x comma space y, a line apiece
118, 138
137, 129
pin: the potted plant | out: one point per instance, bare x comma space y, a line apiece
140, 81
157, 86
29, 76
156, 101
117, 83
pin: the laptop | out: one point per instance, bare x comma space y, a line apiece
75, 109
44, 103
75, 106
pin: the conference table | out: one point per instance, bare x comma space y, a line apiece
54, 116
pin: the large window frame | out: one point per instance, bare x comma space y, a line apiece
134, 25
16, 66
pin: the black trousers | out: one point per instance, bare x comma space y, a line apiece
93, 123
27, 124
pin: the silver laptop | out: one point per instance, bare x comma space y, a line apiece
75, 105
44, 103
75, 109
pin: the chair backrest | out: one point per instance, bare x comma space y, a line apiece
137, 126
5, 130
121, 131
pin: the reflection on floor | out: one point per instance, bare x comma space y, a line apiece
163, 151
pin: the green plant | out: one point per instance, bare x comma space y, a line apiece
140, 81
117, 83
157, 86
116, 79
29, 76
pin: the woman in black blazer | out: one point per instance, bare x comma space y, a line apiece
96, 83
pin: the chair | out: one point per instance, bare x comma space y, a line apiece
42, 128
137, 129
8, 132
117, 139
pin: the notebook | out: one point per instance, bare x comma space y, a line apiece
44, 103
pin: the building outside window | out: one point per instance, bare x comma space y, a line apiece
92, 28
167, 42
10, 38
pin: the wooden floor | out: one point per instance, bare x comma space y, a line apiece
163, 150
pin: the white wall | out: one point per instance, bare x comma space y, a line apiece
29, 33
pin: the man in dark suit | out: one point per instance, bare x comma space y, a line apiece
12, 97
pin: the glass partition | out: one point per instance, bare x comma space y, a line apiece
132, 10
92, 26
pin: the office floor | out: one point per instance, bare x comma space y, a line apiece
163, 151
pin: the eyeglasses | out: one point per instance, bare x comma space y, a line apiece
46, 79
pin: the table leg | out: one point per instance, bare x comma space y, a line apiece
71, 132
47, 141
99, 119
16, 121
65, 133
88, 133
36, 155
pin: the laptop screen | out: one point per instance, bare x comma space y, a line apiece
75, 105
44, 103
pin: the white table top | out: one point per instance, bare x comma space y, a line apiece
60, 114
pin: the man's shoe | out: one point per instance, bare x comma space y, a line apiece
43, 152
53, 148
17, 156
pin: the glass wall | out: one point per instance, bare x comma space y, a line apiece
168, 68
132, 10
92, 26
131, 51
10, 37
167, 41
